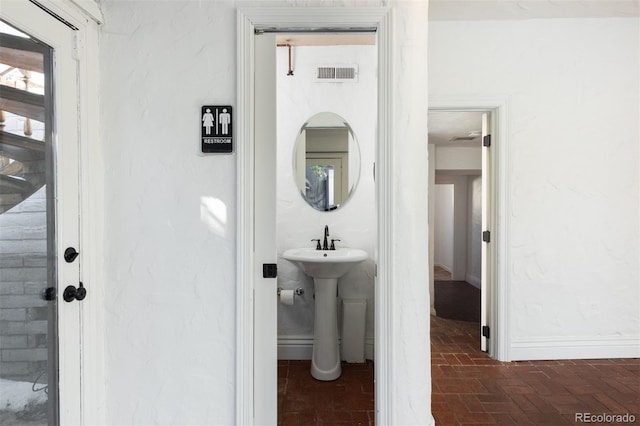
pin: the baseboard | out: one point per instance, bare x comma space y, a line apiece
369, 348
552, 348
301, 347
474, 281
295, 347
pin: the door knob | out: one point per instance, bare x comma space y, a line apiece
70, 254
49, 293
72, 293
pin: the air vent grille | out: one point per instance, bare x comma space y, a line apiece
327, 72
337, 73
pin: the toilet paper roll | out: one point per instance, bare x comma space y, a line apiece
286, 297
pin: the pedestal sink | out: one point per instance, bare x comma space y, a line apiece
325, 267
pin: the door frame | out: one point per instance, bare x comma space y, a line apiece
309, 17
500, 313
84, 16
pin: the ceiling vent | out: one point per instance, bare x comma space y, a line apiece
337, 73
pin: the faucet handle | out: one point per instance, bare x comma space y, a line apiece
318, 243
333, 246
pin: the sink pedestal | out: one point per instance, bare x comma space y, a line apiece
325, 266
325, 363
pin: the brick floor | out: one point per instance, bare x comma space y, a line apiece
469, 388
304, 401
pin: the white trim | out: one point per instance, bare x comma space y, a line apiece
500, 313
247, 20
244, 236
555, 348
384, 197
91, 9
91, 211
92, 230
74, 11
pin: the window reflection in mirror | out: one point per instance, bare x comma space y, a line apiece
326, 161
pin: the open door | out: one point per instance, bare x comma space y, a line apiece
485, 288
265, 254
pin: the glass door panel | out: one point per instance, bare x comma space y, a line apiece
28, 277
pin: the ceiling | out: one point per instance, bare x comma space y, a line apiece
530, 9
476, 10
327, 39
447, 125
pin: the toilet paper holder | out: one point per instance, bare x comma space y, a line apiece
298, 291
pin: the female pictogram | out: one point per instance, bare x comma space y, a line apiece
207, 121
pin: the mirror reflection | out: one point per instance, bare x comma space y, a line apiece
326, 161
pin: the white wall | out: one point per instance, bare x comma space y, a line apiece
170, 230
460, 214
572, 95
458, 158
443, 226
170, 220
299, 97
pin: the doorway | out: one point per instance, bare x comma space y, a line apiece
326, 113
257, 293
461, 218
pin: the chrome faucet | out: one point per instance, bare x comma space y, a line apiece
325, 244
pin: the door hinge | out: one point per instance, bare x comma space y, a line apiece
486, 236
485, 331
486, 141
269, 270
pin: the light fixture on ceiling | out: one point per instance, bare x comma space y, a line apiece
474, 134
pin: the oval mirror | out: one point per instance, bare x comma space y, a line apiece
326, 161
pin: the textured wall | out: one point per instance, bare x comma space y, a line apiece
170, 250
572, 92
354, 223
170, 231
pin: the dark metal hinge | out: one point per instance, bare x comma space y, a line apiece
269, 270
485, 331
486, 141
486, 236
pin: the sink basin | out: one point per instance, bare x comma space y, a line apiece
325, 267
325, 263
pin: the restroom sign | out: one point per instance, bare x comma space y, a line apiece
216, 128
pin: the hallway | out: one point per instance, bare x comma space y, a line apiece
471, 388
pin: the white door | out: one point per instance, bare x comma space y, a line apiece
485, 288
265, 291
39, 209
